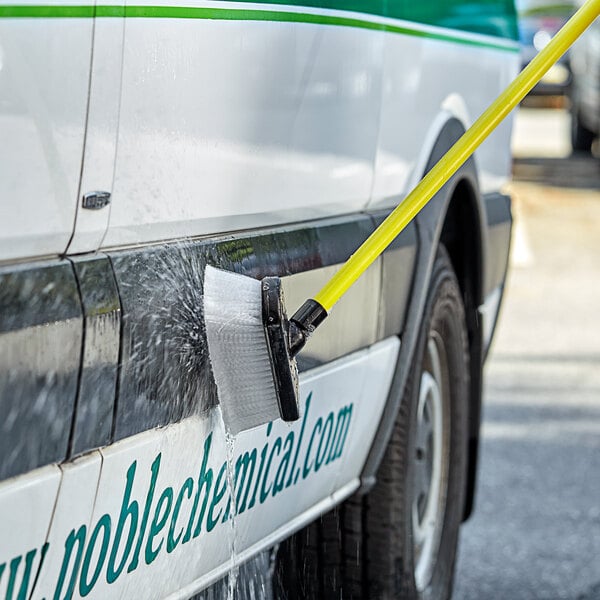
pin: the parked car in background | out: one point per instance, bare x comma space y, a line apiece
142, 141
585, 89
539, 20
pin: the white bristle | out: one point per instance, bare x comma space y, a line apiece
238, 349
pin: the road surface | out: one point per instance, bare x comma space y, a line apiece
536, 530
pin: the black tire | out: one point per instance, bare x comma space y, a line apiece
581, 137
365, 548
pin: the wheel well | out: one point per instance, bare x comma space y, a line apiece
461, 235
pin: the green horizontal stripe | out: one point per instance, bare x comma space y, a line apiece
232, 14
45, 11
496, 18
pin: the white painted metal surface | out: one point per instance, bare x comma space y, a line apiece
74, 506
44, 77
223, 125
233, 124
289, 123
159, 502
426, 83
26, 506
101, 133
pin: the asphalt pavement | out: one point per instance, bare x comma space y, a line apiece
535, 533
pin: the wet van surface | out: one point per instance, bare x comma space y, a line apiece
141, 142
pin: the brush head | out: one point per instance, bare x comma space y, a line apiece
248, 345
283, 365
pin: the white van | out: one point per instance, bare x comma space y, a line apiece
140, 142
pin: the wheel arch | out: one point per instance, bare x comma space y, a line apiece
462, 234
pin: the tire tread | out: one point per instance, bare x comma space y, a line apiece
352, 552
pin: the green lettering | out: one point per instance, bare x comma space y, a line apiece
243, 463
205, 477
128, 511
218, 493
149, 496
321, 455
73, 537
264, 491
263, 455
307, 467
304, 418
188, 485
14, 567
85, 586
158, 522
282, 470
241, 475
340, 433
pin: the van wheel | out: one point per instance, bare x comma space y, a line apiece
400, 539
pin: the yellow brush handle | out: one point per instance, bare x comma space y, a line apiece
402, 215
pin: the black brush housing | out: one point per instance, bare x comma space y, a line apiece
285, 338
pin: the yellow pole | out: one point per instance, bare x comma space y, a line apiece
401, 216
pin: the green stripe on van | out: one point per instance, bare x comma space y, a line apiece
497, 18
33, 11
239, 14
